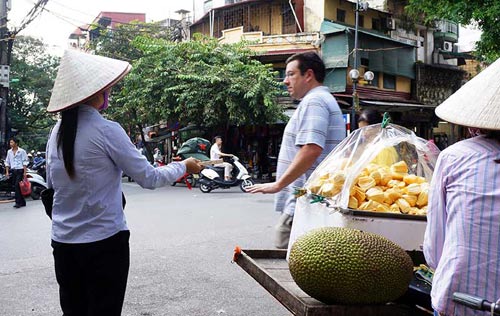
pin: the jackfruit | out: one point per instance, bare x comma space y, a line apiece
400, 167
347, 266
366, 183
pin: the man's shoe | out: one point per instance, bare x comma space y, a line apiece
16, 206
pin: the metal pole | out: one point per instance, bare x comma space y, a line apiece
4, 46
355, 99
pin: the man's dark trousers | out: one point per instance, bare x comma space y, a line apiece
18, 176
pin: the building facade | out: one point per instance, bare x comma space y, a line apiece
415, 66
81, 36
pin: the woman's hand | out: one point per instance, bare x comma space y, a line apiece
192, 165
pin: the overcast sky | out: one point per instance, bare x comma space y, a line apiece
64, 16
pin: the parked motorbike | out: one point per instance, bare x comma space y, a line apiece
37, 185
213, 177
39, 168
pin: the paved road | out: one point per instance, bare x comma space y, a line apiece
181, 247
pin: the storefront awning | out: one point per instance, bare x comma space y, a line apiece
397, 106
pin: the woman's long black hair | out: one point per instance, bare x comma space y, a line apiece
66, 138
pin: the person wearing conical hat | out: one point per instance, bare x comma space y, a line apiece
462, 239
86, 156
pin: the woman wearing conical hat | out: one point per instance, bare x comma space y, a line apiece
462, 240
86, 156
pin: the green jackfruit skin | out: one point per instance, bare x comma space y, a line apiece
347, 266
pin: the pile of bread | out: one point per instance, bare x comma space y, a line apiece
378, 188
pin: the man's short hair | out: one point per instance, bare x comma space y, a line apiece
310, 60
217, 137
14, 139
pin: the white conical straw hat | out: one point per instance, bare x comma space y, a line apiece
477, 103
82, 75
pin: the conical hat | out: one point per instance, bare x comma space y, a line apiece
477, 103
82, 75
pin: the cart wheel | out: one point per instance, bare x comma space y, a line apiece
191, 179
245, 184
205, 188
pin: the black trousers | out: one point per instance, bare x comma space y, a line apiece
92, 277
17, 176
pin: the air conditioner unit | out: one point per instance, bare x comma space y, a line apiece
391, 24
447, 46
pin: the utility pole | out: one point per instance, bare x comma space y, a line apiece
4, 73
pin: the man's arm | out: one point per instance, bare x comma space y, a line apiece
25, 163
7, 164
305, 158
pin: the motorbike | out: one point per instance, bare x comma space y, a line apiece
39, 168
37, 185
477, 303
37, 182
213, 177
188, 179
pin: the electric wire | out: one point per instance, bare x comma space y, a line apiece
30, 16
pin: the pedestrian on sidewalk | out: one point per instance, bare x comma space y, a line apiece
316, 127
16, 163
86, 156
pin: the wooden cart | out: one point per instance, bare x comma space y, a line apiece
270, 269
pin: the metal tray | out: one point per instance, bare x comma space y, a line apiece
353, 212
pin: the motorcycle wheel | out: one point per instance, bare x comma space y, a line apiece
245, 184
173, 184
36, 189
205, 188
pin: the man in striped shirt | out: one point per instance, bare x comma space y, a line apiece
314, 129
462, 240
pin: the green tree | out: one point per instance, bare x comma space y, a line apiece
35, 69
117, 43
200, 82
484, 14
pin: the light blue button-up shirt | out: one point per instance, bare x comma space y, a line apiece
88, 208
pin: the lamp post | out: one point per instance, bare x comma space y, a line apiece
354, 73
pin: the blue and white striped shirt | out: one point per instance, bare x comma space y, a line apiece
462, 240
317, 120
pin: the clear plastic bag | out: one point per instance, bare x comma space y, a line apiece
368, 155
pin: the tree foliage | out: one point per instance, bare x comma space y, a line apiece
483, 13
200, 82
36, 70
197, 82
117, 43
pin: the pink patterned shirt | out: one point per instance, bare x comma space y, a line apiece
462, 240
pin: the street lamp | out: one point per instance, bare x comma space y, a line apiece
354, 73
